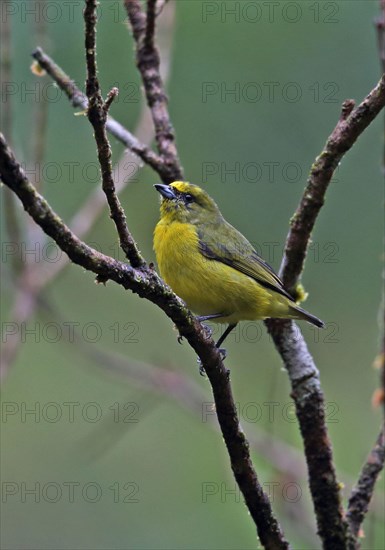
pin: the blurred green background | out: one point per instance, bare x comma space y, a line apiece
122, 455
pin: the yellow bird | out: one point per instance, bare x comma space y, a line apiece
212, 266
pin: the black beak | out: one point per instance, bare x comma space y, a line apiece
165, 190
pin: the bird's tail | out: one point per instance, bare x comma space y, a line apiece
300, 313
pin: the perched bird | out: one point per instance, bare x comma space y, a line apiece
212, 266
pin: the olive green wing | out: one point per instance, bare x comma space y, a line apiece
223, 243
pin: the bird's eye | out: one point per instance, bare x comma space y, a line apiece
188, 197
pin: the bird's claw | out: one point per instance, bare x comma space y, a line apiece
208, 331
180, 339
223, 354
202, 371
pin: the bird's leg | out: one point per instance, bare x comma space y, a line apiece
208, 317
217, 345
224, 336
202, 318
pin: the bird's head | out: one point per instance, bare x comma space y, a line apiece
186, 203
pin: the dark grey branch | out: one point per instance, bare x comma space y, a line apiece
145, 282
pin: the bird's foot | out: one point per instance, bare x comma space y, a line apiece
223, 353
202, 371
208, 331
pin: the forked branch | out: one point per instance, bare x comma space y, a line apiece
148, 62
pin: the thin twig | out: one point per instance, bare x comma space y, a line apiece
303, 374
147, 60
381, 365
41, 108
6, 75
380, 26
362, 493
350, 126
22, 308
379, 395
12, 222
39, 275
146, 283
97, 115
78, 99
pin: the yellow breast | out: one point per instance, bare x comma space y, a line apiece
176, 248
207, 286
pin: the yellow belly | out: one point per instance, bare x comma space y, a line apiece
207, 286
